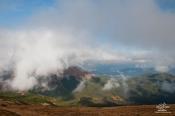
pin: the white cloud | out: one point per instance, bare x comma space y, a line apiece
80, 87
134, 23
43, 52
111, 83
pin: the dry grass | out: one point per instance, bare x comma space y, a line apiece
14, 109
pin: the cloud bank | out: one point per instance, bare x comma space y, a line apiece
72, 32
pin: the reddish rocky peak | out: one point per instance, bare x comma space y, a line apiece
76, 72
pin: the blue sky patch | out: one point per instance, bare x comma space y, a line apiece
166, 5
14, 12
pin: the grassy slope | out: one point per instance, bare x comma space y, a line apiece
28, 98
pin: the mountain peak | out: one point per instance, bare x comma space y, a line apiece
77, 72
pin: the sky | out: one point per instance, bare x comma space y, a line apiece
16, 12
45, 36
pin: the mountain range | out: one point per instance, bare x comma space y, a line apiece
79, 87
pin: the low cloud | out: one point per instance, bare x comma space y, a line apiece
111, 84
36, 53
162, 69
80, 86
